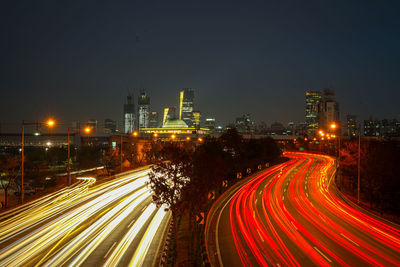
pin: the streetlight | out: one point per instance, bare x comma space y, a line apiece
173, 137
49, 123
87, 130
333, 126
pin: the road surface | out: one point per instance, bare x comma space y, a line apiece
293, 215
110, 224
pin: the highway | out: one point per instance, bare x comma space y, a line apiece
113, 223
293, 215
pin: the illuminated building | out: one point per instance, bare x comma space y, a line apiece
313, 98
351, 125
169, 114
186, 105
143, 110
196, 117
129, 115
244, 124
372, 127
328, 111
210, 124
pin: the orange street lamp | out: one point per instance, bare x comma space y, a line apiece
187, 138
135, 133
48, 123
173, 137
155, 135
333, 125
200, 139
87, 130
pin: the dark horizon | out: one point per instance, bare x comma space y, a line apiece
78, 60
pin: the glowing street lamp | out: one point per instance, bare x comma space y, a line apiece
200, 139
86, 130
135, 133
333, 125
49, 123
155, 135
173, 137
187, 138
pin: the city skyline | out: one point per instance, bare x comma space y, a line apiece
79, 61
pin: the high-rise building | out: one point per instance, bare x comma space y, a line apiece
196, 117
210, 124
313, 99
244, 124
154, 120
351, 121
143, 110
110, 126
186, 106
328, 110
129, 115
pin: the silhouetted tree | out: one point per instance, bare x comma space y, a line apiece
9, 169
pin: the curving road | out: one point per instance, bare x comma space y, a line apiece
292, 215
110, 224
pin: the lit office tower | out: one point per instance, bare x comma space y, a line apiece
129, 115
186, 106
351, 125
313, 98
143, 110
328, 111
196, 117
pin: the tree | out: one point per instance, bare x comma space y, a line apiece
9, 168
111, 160
170, 175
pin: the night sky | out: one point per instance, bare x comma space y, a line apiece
77, 60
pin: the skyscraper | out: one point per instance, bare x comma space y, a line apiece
328, 111
313, 98
186, 106
129, 115
143, 110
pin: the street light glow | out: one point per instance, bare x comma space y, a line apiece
87, 129
135, 133
155, 134
333, 125
200, 139
50, 123
187, 138
173, 137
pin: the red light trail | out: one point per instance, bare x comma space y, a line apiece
293, 215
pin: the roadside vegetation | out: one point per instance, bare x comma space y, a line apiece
187, 178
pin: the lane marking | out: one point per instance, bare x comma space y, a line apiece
109, 250
350, 240
144, 208
322, 254
307, 194
129, 226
